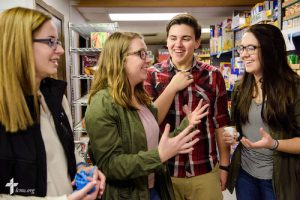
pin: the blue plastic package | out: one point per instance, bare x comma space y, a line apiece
81, 179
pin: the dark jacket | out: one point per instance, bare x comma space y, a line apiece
286, 167
22, 154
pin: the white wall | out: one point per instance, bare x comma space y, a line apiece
5, 4
62, 6
70, 15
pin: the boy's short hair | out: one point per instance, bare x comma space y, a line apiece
188, 20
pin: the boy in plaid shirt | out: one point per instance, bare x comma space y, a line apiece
195, 175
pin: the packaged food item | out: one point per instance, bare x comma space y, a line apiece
89, 64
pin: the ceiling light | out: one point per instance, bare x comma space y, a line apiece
142, 16
205, 30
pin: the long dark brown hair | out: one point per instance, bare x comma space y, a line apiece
278, 82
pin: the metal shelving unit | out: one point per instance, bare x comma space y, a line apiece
86, 51
85, 29
83, 76
81, 101
79, 129
80, 83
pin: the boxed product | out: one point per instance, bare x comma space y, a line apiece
238, 66
219, 44
98, 39
213, 44
226, 24
225, 69
212, 31
241, 20
227, 41
257, 9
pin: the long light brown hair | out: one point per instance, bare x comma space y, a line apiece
17, 68
111, 72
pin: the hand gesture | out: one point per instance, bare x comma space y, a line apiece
99, 180
196, 116
180, 81
265, 142
182, 143
84, 192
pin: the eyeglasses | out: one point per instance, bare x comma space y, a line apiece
143, 54
52, 43
250, 49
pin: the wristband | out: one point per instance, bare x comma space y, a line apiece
225, 168
275, 146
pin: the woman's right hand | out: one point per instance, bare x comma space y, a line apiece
168, 147
83, 193
97, 176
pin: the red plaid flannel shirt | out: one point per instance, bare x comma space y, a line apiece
209, 85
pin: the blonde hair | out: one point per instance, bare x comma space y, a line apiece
111, 73
17, 68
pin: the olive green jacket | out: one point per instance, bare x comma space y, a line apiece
286, 167
118, 146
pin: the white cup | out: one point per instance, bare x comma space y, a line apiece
232, 131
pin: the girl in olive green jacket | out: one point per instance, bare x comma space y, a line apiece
121, 123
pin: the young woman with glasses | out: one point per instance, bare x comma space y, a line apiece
122, 124
36, 139
266, 110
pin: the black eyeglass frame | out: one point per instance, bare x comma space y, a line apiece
52, 43
143, 54
249, 48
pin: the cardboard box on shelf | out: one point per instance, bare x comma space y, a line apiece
227, 41
241, 20
225, 69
